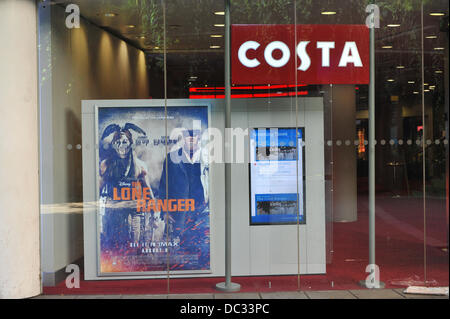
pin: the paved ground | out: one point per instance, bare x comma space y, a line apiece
330, 294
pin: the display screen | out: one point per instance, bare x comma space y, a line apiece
276, 176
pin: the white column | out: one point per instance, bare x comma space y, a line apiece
19, 180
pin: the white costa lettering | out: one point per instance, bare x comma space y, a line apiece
349, 55
303, 56
242, 54
325, 46
277, 45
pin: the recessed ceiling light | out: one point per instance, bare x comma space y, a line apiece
400, 67
439, 48
425, 84
142, 37
390, 80
438, 71
436, 14
411, 82
431, 37
156, 48
219, 13
415, 92
426, 90
214, 47
130, 26
393, 25
216, 36
386, 47
109, 15
328, 13
219, 25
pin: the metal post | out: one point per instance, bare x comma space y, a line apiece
227, 286
372, 142
372, 149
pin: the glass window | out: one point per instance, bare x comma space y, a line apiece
135, 152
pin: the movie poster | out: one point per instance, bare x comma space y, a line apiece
153, 189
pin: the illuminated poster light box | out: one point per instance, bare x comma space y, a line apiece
153, 213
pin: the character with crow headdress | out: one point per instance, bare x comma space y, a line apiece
120, 167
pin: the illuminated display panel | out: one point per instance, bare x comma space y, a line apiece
277, 188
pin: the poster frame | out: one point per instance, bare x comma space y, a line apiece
147, 274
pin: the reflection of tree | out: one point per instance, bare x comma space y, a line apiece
151, 16
308, 11
150, 13
264, 12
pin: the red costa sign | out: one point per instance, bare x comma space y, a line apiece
321, 54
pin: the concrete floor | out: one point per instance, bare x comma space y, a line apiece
329, 294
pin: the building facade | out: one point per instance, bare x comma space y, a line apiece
116, 153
